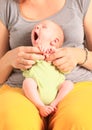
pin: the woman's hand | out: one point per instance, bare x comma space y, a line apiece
24, 57
65, 59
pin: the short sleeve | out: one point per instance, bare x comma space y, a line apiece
8, 12
83, 5
3, 11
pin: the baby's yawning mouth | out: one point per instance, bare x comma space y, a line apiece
35, 36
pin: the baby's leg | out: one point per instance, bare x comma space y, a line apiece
30, 90
64, 89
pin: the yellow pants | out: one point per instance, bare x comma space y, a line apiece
73, 113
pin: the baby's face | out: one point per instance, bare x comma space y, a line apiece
44, 36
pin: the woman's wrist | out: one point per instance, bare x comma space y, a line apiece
83, 56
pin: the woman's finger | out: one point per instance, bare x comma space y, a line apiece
26, 62
59, 53
29, 49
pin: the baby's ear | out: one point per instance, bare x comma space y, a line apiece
54, 42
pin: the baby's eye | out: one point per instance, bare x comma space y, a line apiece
44, 26
56, 40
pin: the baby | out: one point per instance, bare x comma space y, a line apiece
44, 84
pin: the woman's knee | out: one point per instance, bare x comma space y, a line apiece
17, 112
75, 111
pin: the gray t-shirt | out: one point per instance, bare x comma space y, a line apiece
70, 17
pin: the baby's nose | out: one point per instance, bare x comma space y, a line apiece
37, 27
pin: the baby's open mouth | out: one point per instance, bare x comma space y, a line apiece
35, 36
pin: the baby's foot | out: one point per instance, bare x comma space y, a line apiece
46, 110
53, 104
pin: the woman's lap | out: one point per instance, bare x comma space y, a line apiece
17, 112
73, 113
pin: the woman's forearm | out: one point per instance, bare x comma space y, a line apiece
5, 68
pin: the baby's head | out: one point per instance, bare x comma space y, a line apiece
47, 36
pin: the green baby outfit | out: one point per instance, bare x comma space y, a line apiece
48, 79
